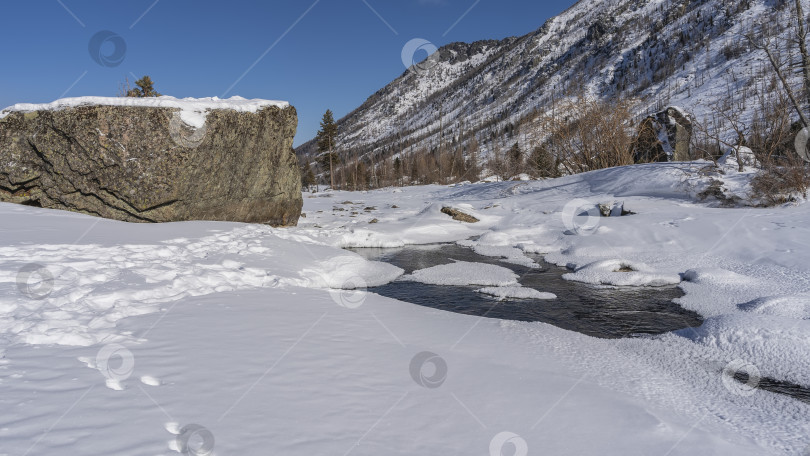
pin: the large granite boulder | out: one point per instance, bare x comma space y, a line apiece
154, 160
664, 136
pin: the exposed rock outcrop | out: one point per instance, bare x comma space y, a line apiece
155, 162
664, 136
599, 29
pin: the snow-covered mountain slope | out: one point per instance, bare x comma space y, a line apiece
690, 53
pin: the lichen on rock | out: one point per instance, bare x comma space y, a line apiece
138, 164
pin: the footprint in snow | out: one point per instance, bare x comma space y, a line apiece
172, 427
149, 380
114, 384
190, 439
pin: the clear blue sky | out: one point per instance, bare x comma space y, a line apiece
317, 55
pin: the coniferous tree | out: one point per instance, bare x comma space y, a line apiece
397, 169
311, 178
515, 160
144, 88
307, 176
542, 163
326, 144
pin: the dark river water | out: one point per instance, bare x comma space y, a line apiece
609, 313
595, 311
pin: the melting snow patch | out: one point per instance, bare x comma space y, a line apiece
463, 273
618, 272
516, 292
531, 247
499, 245
506, 253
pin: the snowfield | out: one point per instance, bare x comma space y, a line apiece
224, 338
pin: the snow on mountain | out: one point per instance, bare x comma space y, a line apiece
690, 53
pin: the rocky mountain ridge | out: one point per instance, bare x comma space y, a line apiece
689, 53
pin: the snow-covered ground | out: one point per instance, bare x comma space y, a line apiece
139, 339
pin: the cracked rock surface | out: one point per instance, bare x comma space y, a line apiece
136, 164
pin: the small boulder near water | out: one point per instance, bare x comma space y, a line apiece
158, 159
458, 215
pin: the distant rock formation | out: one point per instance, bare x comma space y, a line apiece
157, 160
664, 136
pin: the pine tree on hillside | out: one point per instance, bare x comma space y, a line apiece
515, 160
542, 164
397, 169
328, 158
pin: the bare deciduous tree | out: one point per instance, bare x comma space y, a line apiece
768, 42
593, 134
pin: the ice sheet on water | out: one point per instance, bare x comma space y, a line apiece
516, 292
